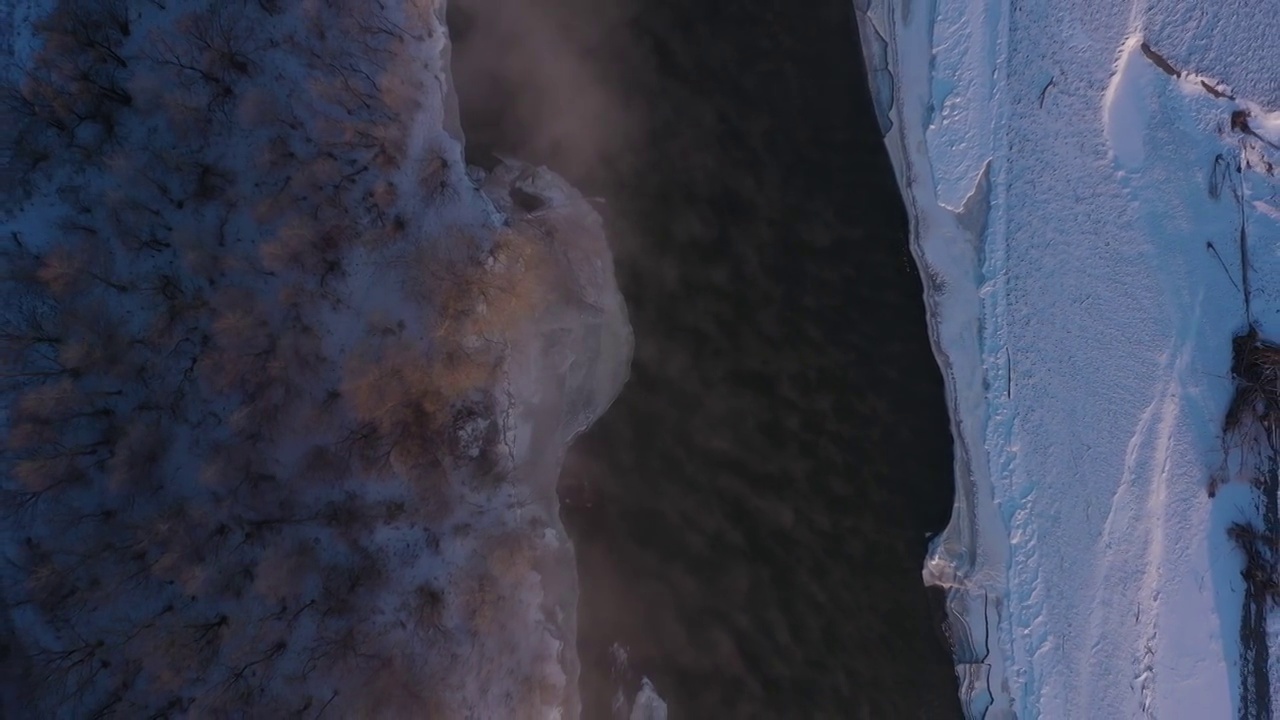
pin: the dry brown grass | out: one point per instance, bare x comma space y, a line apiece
1251, 428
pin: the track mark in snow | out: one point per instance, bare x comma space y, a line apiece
1134, 534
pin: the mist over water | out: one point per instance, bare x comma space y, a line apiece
537, 79
750, 516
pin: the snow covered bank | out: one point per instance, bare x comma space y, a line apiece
287, 386
1081, 179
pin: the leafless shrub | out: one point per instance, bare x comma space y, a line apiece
259, 108
341, 648
349, 517
393, 688
30, 328
178, 538
179, 649
299, 353
366, 448
201, 259
265, 405
136, 459
286, 570
382, 198
251, 661
218, 44
275, 156
1261, 572
38, 474
95, 27
67, 91
510, 556
57, 435
178, 314
401, 93
346, 585
48, 583
435, 177
43, 414
190, 112
95, 345
135, 221
66, 269
227, 465
1251, 427
241, 327
49, 403
389, 390
30, 144
477, 601
215, 48
1251, 445
208, 181
304, 246
320, 177
426, 607
324, 465
75, 78
422, 16
347, 88
491, 295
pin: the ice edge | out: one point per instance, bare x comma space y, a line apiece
948, 246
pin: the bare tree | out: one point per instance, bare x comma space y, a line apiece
213, 47
137, 457
66, 269
97, 28
286, 571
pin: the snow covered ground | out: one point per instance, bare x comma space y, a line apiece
287, 386
1080, 179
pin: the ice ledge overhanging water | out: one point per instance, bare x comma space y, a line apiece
948, 218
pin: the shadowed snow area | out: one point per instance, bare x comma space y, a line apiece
287, 386
1091, 190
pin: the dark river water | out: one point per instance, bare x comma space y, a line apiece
750, 517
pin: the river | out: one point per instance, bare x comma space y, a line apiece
751, 515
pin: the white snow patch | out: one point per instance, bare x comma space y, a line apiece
648, 705
1126, 105
1266, 125
1084, 330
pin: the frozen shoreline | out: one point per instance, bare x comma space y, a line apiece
946, 244
1064, 169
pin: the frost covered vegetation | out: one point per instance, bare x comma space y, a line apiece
1251, 444
263, 451
1251, 440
